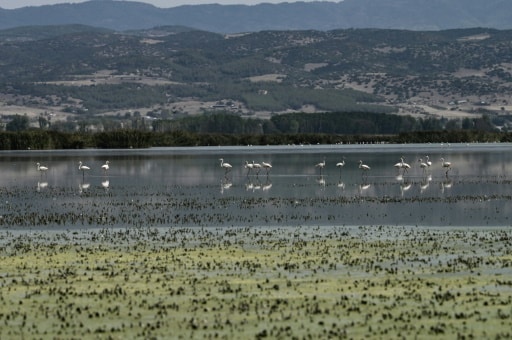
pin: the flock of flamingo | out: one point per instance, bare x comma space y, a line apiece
42, 169
83, 168
257, 167
402, 165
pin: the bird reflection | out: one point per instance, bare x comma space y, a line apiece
105, 184
341, 185
425, 182
225, 184
41, 186
249, 186
253, 184
267, 185
82, 187
321, 181
404, 186
447, 183
364, 186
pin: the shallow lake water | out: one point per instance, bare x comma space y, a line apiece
167, 187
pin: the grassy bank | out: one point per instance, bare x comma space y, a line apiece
369, 282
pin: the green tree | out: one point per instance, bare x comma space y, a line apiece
18, 123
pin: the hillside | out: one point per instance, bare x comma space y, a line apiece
317, 15
70, 73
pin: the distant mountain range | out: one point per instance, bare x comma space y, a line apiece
318, 15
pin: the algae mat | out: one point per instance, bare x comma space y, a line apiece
325, 282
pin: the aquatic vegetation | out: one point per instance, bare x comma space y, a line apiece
372, 282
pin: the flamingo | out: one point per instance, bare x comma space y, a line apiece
341, 164
402, 165
41, 168
446, 165
83, 168
266, 166
226, 166
398, 166
105, 167
320, 165
423, 165
256, 166
429, 163
248, 166
364, 168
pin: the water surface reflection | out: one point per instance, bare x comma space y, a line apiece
304, 186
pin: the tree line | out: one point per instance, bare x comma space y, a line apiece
124, 139
231, 129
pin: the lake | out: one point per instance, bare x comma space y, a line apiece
186, 187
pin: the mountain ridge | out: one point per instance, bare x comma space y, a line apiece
321, 15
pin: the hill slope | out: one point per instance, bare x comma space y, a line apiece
399, 14
177, 71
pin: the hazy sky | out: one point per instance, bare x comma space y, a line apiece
10, 4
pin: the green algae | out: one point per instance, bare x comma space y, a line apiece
339, 282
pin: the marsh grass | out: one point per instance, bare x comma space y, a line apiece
337, 282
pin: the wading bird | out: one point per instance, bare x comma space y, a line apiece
320, 165
41, 168
83, 168
429, 163
105, 167
266, 166
423, 165
402, 165
226, 166
446, 165
364, 168
341, 164
257, 167
249, 167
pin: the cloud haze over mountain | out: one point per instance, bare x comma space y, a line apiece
11, 4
